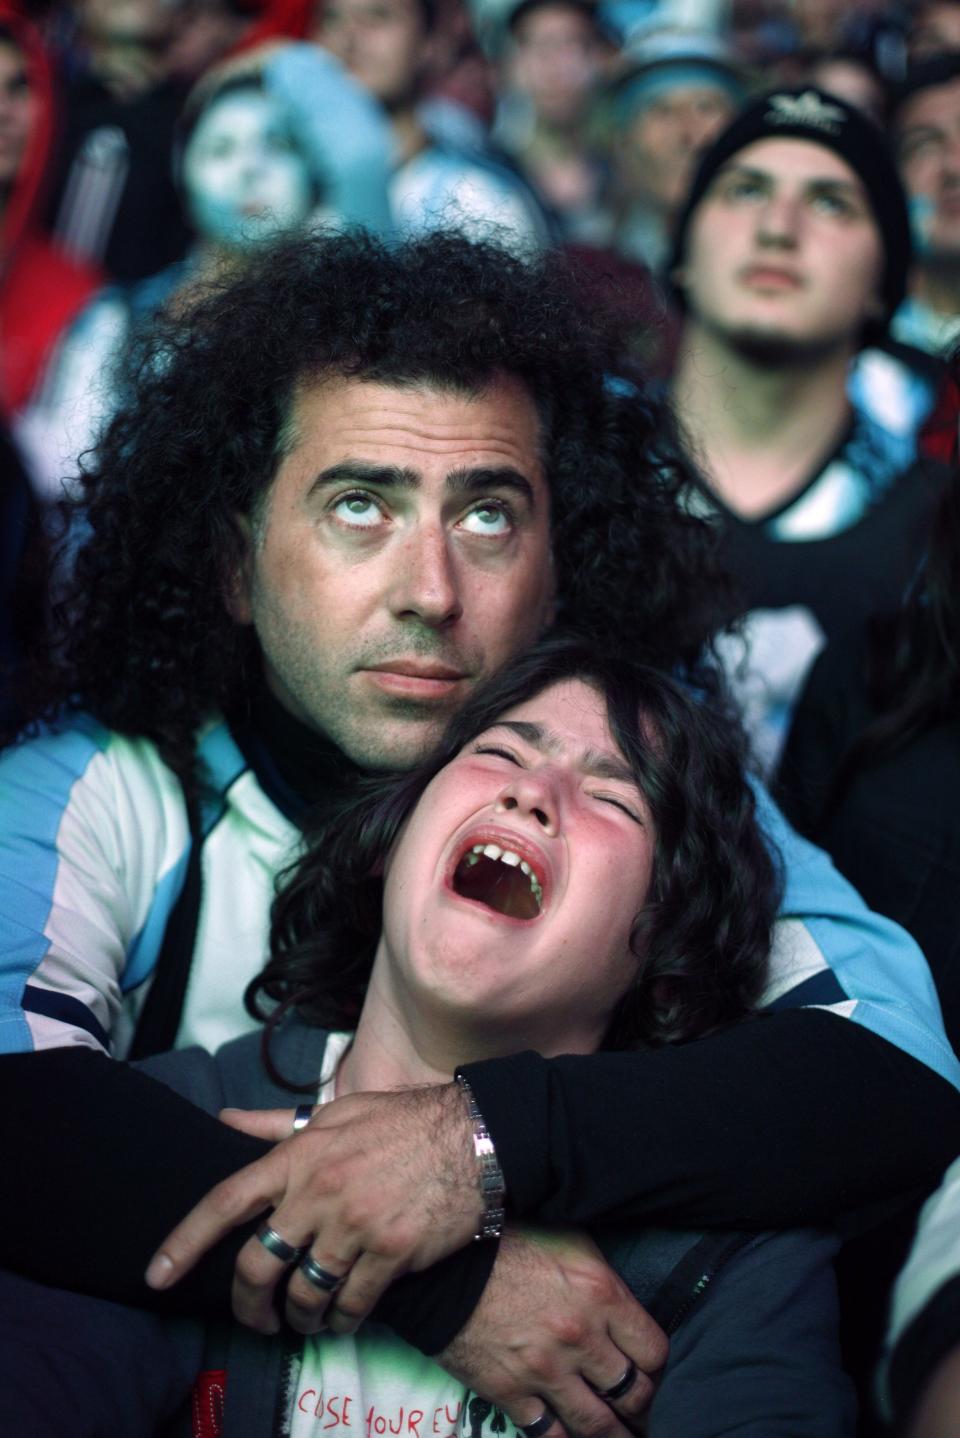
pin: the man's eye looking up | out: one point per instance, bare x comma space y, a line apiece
487, 519
358, 510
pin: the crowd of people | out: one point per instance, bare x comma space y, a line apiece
460, 459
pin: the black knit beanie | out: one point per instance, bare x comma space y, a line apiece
809, 114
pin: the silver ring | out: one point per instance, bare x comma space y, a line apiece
539, 1425
276, 1245
623, 1385
321, 1278
302, 1116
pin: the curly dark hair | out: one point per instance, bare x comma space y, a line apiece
703, 934
144, 639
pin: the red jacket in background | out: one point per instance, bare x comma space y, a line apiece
41, 290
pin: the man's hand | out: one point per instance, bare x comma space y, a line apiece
375, 1185
553, 1320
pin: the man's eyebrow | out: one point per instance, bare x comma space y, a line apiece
594, 763
749, 172
836, 182
394, 476
470, 481
922, 128
358, 471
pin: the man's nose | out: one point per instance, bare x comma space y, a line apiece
778, 221
532, 794
426, 584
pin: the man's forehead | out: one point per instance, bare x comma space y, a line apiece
338, 417
937, 105
785, 158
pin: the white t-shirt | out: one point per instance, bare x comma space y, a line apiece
371, 1384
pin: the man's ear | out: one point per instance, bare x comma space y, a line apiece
238, 579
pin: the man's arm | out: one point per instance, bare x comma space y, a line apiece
93, 841
783, 1119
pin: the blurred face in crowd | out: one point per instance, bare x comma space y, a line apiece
17, 110
400, 557
928, 150
244, 178
127, 41
935, 30
659, 147
383, 43
783, 251
555, 61
850, 81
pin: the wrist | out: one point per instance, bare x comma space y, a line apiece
490, 1180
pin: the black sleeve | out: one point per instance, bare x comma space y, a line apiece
788, 1119
102, 1161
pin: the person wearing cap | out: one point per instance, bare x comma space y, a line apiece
679, 88
790, 254
927, 135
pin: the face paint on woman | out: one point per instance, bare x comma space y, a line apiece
245, 179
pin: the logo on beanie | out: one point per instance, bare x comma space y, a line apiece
806, 109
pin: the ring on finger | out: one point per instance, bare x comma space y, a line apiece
539, 1426
302, 1116
321, 1278
623, 1385
278, 1246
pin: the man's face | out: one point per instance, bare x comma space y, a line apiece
127, 40
17, 111
244, 178
660, 146
928, 148
783, 249
555, 60
402, 555
935, 31
383, 43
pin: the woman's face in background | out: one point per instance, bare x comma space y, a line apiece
245, 179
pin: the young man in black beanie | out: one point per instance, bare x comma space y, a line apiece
790, 255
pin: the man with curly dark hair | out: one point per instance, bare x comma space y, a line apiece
343, 491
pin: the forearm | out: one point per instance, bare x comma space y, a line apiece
789, 1119
108, 1160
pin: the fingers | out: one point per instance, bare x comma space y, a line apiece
639, 1340
628, 1391
574, 1408
271, 1123
312, 1304
232, 1202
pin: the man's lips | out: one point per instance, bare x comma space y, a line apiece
771, 277
422, 678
